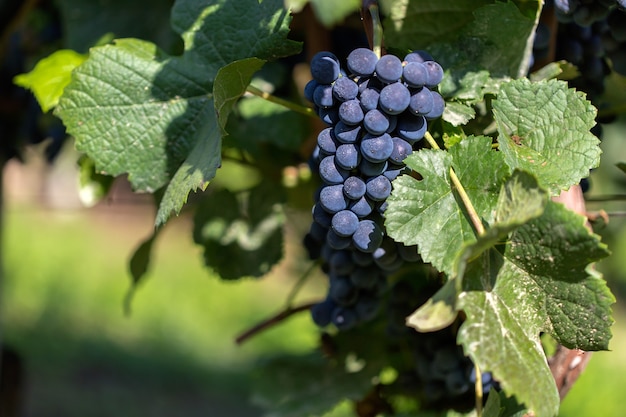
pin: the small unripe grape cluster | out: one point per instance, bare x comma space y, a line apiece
376, 113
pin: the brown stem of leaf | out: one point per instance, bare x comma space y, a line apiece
273, 321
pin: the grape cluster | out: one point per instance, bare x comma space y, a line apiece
376, 114
436, 368
584, 12
591, 35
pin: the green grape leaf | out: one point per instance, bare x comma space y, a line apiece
134, 109
272, 123
313, 384
138, 266
520, 200
85, 22
462, 35
544, 129
329, 12
230, 85
458, 114
539, 280
246, 227
50, 77
410, 22
426, 212
621, 166
309, 385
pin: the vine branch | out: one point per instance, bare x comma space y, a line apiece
273, 321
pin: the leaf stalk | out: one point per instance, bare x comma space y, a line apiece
307, 111
471, 211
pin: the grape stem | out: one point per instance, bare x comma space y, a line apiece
478, 387
377, 41
298, 285
471, 211
307, 111
273, 321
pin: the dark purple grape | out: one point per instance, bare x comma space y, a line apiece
362, 61
332, 198
389, 69
368, 236
378, 188
415, 74
345, 89
376, 148
330, 172
324, 67
350, 112
376, 122
411, 128
394, 98
354, 188
344, 223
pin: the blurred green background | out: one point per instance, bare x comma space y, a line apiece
67, 276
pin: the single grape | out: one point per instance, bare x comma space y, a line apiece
415, 74
418, 56
312, 246
394, 98
401, 149
344, 318
368, 236
332, 198
345, 89
350, 112
321, 216
378, 188
435, 73
344, 223
411, 128
362, 207
324, 67
354, 188
330, 115
347, 134
309, 88
376, 148
348, 156
372, 169
376, 122
369, 98
327, 142
362, 61
389, 68
323, 95
331, 173
321, 313
336, 242
421, 102
439, 106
